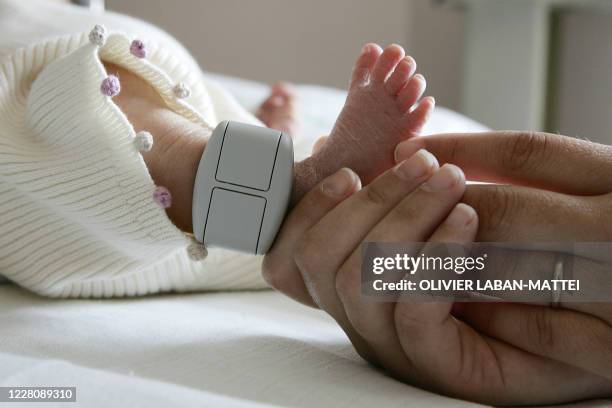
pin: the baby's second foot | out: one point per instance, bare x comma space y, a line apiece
279, 110
380, 111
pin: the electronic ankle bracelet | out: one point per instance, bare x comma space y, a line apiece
242, 187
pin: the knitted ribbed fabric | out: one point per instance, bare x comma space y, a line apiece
77, 214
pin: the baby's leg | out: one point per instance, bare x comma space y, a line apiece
374, 119
380, 111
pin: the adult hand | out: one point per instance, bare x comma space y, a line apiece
574, 180
514, 157
548, 178
577, 176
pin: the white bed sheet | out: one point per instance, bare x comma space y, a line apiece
221, 349
246, 349
217, 349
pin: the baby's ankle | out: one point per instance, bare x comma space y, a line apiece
311, 171
305, 177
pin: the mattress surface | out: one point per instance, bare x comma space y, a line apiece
213, 349
185, 350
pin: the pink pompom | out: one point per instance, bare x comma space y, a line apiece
162, 197
137, 48
110, 86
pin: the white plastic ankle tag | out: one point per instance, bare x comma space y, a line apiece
242, 187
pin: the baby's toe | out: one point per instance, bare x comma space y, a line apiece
418, 117
411, 93
283, 89
364, 64
400, 76
390, 57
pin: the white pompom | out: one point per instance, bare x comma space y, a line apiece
143, 141
197, 251
97, 35
181, 90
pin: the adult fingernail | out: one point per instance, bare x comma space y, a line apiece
338, 183
412, 63
461, 216
421, 163
407, 148
443, 179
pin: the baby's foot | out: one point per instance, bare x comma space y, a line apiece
279, 110
380, 111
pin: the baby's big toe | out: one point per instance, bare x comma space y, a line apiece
390, 57
364, 64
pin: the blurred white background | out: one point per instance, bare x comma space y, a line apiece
537, 64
